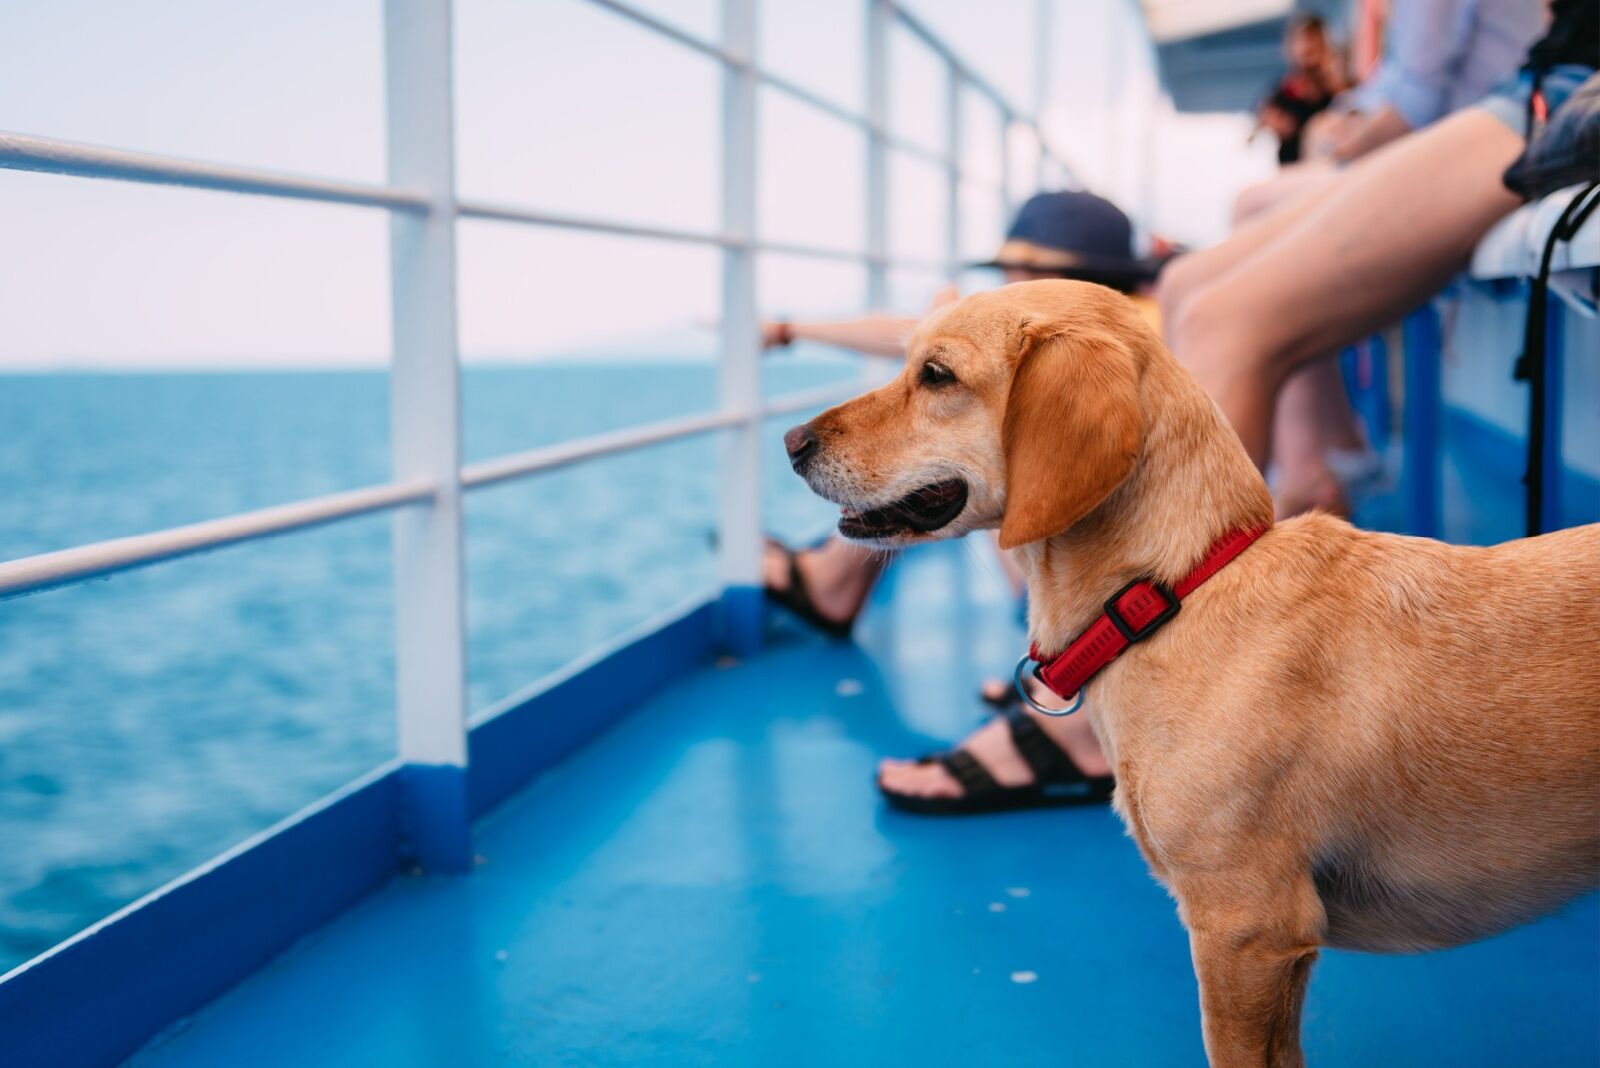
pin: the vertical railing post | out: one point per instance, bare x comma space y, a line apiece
1043, 47
876, 53
1421, 459
1551, 510
1006, 206
962, 562
879, 17
425, 433
952, 178
739, 375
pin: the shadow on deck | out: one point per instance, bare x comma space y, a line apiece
716, 882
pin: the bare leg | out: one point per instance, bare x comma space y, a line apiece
1193, 271
1312, 417
1383, 238
1287, 186
839, 575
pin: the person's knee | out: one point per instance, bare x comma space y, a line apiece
1173, 286
1252, 201
1204, 333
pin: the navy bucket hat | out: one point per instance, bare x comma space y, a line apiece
1075, 235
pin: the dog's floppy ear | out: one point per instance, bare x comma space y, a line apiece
1071, 432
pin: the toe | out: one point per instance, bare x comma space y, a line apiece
920, 780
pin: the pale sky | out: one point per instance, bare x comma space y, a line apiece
560, 105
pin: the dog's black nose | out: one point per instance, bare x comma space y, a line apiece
801, 443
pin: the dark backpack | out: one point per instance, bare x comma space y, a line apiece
1564, 153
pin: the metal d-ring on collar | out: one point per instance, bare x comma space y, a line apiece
1027, 698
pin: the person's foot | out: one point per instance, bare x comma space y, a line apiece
827, 596
991, 745
998, 692
1002, 693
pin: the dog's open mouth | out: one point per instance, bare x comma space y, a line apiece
921, 512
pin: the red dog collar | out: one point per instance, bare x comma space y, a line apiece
1132, 614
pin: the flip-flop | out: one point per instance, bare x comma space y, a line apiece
1057, 781
797, 599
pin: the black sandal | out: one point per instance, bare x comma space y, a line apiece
797, 599
1057, 781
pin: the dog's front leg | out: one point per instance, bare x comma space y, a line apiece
1253, 951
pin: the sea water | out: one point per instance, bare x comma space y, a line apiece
152, 719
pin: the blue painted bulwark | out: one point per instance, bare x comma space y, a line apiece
96, 998
513, 744
435, 826
1421, 457
1500, 456
1366, 375
1550, 506
741, 620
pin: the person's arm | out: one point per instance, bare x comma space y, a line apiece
871, 335
1325, 130
1428, 42
879, 334
1367, 132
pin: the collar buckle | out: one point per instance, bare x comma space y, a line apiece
1132, 635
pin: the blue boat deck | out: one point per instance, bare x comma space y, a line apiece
714, 881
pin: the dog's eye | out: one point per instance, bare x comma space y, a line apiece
936, 374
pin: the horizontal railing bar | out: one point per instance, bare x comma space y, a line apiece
52, 156
707, 48
912, 263
669, 31
577, 450
25, 152
34, 573
818, 252
794, 89
922, 152
478, 209
845, 115
965, 73
813, 99
31, 574
549, 457
811, 398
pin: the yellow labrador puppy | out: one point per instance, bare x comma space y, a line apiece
1343, 738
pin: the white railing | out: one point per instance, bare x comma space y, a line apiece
429, 478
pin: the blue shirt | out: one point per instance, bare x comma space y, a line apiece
1440, 55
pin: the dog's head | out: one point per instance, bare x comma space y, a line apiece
1017, 408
